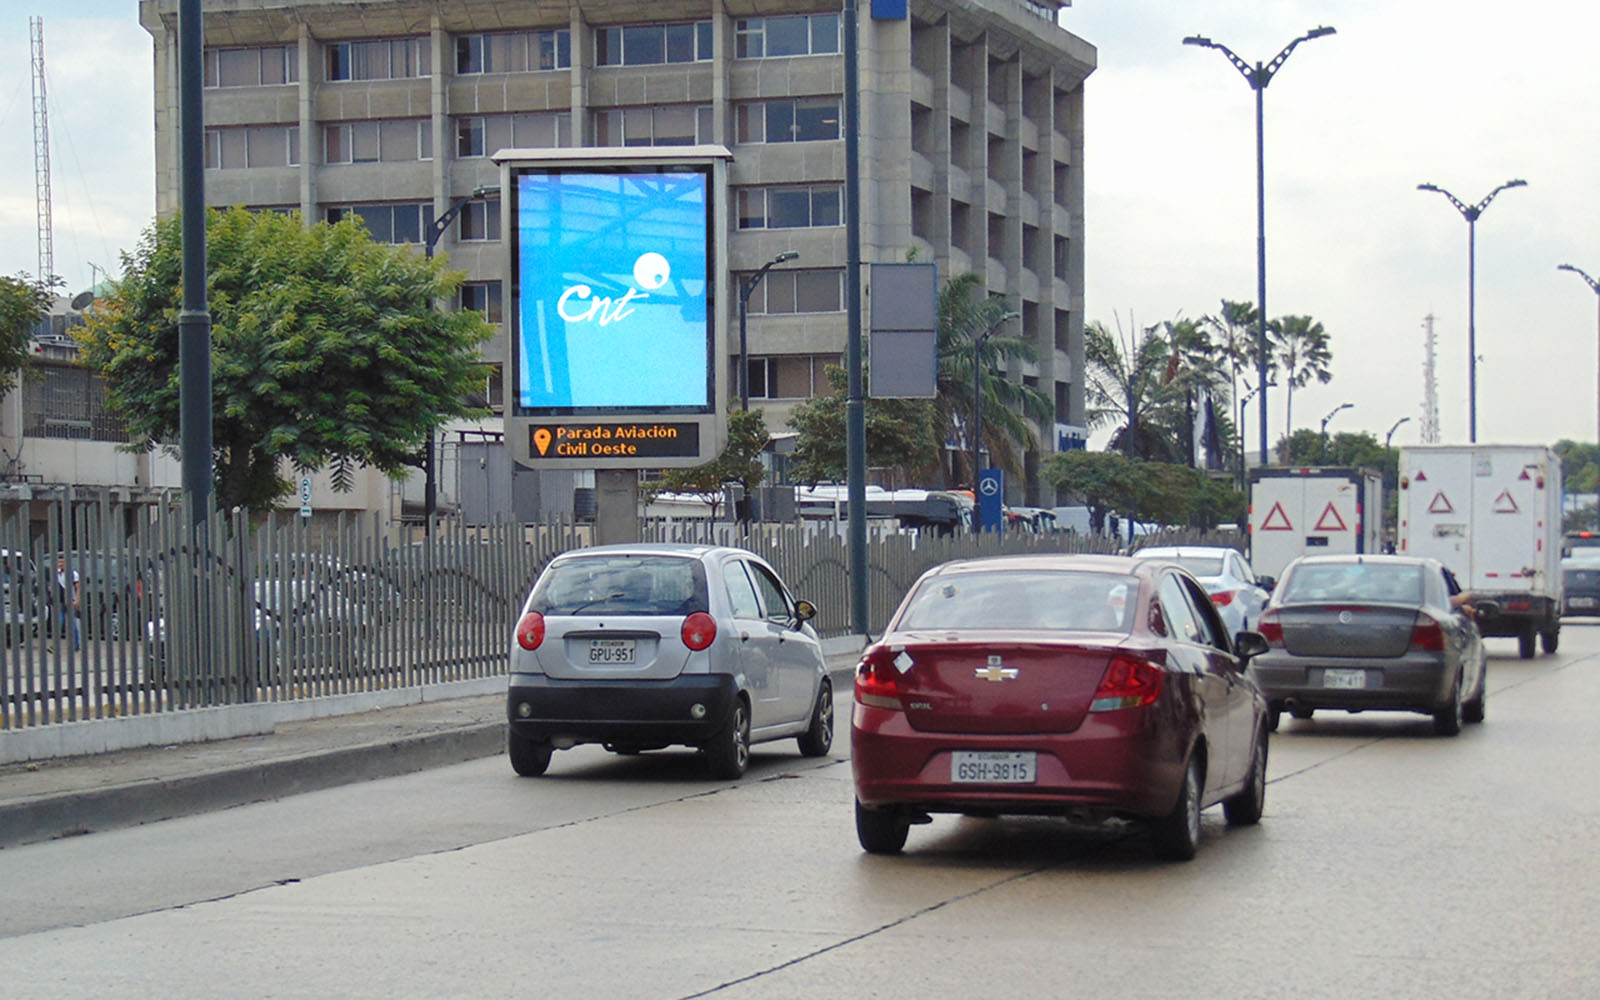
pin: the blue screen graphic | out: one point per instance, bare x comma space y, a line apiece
613, 309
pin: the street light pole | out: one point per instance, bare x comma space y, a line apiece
746, 289
430, 487
1324, 432
1392, 428
1258, 76
977, 415
1594, 286
1471, 213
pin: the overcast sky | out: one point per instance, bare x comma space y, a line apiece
1464, 95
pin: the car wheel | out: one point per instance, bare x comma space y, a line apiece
529, 758
818, 737
1447, 717
1525, 641
728, 753
1177, 834
1302, 713
881, 831
1472, 710
1273, 716
1551, 640
1244, 808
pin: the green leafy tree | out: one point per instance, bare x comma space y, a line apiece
965, 315
326, 348
1301, 354
902, 434
740, 462
1127, 386
1104, 481
23, 302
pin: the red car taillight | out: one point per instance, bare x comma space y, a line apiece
1129, 682
530, 630
1426, 636
878, 680
1271, 629
1222, 598
699, 631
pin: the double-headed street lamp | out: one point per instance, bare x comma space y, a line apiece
1594, 286
746, 289
977, 413
1471, 213
436, 228
1258, 76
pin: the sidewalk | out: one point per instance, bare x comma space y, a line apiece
44, 800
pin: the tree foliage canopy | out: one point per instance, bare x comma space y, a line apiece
23, 302
326, 347
901, 434
740, 462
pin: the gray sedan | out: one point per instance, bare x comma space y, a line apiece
1357, 632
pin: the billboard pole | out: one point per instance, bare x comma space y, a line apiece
855, 411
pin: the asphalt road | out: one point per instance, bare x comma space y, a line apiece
1391, 863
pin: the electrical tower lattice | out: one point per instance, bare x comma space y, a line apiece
1430, 384
41, 154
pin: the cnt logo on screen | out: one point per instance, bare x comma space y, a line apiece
579, 304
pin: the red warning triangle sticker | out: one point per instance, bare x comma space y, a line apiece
1524, 474
1505, 503
1421, 476
1330, 520
1440, 504
1277, 520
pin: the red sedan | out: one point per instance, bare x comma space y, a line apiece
1084, 686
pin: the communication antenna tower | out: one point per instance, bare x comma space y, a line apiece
1430, 384
41, 154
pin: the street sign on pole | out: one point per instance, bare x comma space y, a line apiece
305, 496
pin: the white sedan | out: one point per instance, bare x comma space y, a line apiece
1227, 577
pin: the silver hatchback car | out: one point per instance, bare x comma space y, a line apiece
639, 647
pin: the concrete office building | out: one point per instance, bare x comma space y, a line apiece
971, 145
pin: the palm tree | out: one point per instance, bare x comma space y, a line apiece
965, 315
1234, 328
1300, 352
1126, 382
1196, 367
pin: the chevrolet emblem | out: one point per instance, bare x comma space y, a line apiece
994, 672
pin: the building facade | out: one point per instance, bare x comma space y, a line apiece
971, 145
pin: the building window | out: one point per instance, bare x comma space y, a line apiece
384, 59
66, 401
513, 52
479, 220
799, 35
797, 291
653, 44
267, 66
482, 296
403, 140
665, 125
789, 207
402, 222
483, 135
790, 376
237, 147
808, 119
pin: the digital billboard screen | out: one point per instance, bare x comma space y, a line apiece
613, 306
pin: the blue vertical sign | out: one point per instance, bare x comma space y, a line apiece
991, 487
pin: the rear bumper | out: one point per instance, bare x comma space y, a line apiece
647, 713
1116, 762
1417, 682
1519, 613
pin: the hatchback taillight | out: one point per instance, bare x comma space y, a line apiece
1271, 629
699, 631
530, 630
1129, 682
878, 680
1222, 598
1426, 636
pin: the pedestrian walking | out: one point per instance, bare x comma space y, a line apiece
67, 600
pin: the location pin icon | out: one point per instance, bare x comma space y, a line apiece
541, 439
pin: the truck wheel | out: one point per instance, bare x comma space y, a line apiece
1548, 641
1525, 641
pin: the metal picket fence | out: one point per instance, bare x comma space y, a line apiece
283, 609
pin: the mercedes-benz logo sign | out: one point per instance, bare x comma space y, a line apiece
990, 487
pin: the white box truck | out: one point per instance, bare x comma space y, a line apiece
1301, 511
1492, 514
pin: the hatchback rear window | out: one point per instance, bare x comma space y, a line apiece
1368, 582
1033, 599
621, 585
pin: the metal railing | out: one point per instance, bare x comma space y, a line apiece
283, 609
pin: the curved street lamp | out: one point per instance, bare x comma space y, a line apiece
746, 289
1392, 428
1471, 213
1594, 286
977, 413
1323, 433
1258, 76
